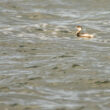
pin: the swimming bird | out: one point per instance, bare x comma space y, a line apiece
82, 35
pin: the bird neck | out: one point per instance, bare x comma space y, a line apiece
78, 33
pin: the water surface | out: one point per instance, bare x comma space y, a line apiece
43, 65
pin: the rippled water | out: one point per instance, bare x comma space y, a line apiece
43, 65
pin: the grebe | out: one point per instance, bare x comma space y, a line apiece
83, 35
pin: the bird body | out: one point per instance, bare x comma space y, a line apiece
82, 35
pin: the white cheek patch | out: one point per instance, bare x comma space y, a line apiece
79, 29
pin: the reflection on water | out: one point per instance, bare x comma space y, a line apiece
43, 65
